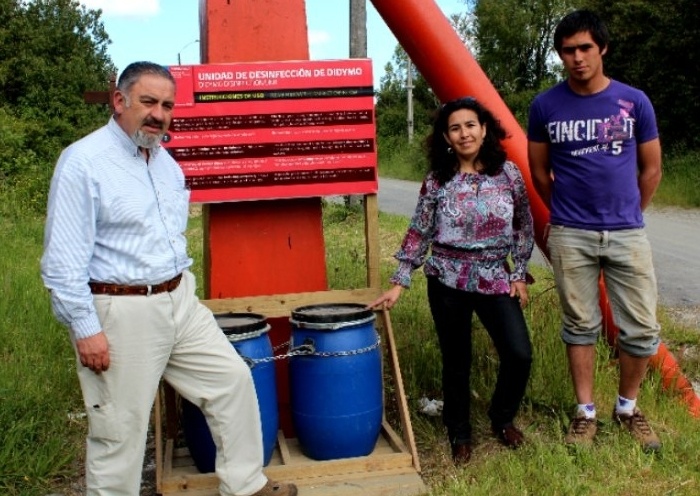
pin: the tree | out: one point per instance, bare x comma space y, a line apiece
512, 40
51, 52
392, 110
655, 46
392, 98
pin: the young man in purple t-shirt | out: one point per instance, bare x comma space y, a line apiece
595, 159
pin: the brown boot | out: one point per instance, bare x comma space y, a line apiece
272, 488
461, 453
581, 430
640, 429
510, 435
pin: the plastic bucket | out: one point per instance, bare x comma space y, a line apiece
336, 388
247, 332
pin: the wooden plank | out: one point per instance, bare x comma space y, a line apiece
404, 413
305, 469
389, 458
97, 97
172, 422
392, 438
372, 249
283, 448
273, 306
380, 484
168, 461
387, 483
189, 480
296, 454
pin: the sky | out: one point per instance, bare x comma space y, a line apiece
162, 30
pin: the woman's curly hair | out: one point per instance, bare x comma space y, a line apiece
491, 155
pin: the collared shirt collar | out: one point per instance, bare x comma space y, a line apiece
126, 141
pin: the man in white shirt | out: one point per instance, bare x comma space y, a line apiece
116, 264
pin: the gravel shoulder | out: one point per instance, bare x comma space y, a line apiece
674, 234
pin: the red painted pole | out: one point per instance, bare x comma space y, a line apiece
264, 247
445, 62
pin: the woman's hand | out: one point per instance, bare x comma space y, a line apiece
389, 298
518, 289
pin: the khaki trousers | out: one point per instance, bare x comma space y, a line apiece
174, 337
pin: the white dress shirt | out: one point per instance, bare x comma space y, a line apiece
112, 217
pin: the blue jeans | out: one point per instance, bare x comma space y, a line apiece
503, 319
623, 257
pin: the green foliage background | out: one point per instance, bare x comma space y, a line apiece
51, 52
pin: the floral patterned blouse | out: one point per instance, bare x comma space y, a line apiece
471, 224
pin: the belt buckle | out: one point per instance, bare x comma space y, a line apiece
149, 290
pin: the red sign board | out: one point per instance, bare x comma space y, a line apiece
292, 129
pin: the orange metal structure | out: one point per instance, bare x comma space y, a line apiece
261, 247
442, 58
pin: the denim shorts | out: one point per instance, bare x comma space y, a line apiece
578, 257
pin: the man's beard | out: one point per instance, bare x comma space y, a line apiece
144, 140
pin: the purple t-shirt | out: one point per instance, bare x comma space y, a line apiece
593, 153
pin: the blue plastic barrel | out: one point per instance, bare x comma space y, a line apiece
335, 380
247, 332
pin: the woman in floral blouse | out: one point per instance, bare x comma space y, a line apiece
472, 215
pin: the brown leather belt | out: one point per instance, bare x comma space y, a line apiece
126, 290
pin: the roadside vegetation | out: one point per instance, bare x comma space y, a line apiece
52, 51
42, 439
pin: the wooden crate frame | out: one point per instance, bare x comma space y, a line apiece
392, 469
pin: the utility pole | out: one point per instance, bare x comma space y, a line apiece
358, 50
358, 29
409, 97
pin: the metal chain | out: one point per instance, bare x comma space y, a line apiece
280, 346
308, 349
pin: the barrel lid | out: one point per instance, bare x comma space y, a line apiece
331, 313
240, 323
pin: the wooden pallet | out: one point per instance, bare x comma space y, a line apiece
392, 469
387, 471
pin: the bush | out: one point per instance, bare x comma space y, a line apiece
403, 160
13, 144
679, 185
